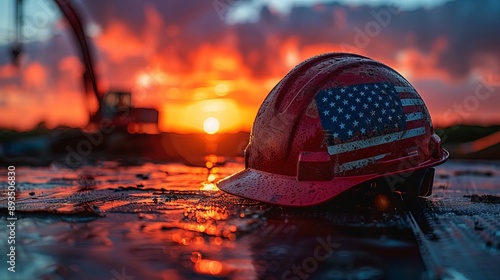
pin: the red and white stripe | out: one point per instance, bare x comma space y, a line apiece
416, 124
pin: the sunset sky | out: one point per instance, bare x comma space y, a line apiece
194, 60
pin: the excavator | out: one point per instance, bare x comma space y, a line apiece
114, 106
134, 130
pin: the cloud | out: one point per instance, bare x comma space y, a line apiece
440, 49
34, 75
7, 71
119, 43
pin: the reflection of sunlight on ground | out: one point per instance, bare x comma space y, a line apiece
170, 221
160, 202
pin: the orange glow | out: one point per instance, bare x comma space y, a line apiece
209, 267
119, 42
211, 125
210, 116
196, 257
151, 77
217, 241
7, 71
209, 187
480, 144
211, 177
290, 52
198, 240
415, 64
73, 66
176, 237
191, 83
35, 75
382, 202
201, 228
147, 128
221, 89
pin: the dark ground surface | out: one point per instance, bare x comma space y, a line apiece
169, 221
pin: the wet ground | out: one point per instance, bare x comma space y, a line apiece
169, 221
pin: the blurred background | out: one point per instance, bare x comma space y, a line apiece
173, 80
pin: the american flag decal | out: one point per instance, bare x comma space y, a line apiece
366, 115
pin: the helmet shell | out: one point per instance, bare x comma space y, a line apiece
334, 121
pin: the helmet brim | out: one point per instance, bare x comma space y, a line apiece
288, 191
285, 190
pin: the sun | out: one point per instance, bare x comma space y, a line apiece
211, 125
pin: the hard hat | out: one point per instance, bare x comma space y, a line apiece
334, 122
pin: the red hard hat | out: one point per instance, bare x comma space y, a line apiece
335, 121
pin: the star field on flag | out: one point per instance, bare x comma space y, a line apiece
362, 110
